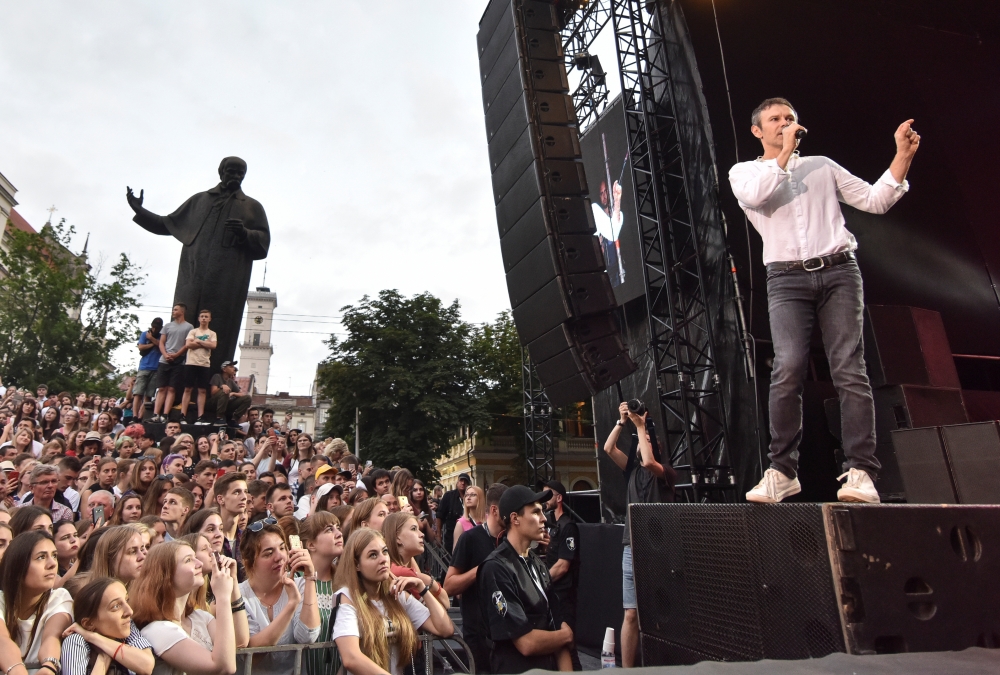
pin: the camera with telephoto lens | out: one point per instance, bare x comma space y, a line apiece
637, 407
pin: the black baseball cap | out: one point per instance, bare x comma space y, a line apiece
228, 363
556, 486
517, 497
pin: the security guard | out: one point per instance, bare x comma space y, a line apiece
563, 560
515, 589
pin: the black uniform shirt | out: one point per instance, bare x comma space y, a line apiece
472, 549
514, 592
565, 541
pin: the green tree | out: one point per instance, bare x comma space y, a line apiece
496, 361
405, 364
60, 319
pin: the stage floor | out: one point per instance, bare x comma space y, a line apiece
969, 662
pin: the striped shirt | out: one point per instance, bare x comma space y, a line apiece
76, 652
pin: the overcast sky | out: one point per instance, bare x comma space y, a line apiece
361, 123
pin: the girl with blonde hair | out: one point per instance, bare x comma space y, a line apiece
405, 540
474, 503
377, 619
321, 536
369, 513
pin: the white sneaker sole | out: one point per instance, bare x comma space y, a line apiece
764, 499
856, 497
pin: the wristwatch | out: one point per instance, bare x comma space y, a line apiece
619, 423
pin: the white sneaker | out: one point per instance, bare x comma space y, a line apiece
774, 487
858, 488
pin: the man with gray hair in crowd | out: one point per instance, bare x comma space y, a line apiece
44, 483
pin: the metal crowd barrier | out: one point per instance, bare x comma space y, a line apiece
448, 665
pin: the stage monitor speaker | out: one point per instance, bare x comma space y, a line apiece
747, 582
923, 466
555, 268
974, 455
909, 407
908, 345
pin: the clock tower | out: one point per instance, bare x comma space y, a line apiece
256, 351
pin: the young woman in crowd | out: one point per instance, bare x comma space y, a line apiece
172, 464
189, 641
152, 503
203, 448
184, 446
30, 518
125, 467
156, 528
345, 514
204, 599
70, 425
74, 442
50, 422
128, 510
103, 638
281, 610
369, 513
321, 536
302, 454
67, 549
104, 424
35, 614
475, 512
199, 496
207, 523
402, 483
6, 535
120, 553
22, 440
405, 541
422, 510
143, 476
86, 419
370, 594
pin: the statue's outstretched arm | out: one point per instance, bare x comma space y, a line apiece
148, 220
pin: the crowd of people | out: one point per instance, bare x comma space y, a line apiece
119, 550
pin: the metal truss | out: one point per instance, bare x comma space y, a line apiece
539, 448
681, 342
591, 96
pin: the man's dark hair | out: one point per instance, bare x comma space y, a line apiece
205, 311
181, 305
221, 486
226, 463
71, 464
34, 423
279, 468
494, 493
274, 488
266, 411
505, 517
256, 488
185, 496
266, 474
42, 386
323, 459
203, 465
116, 413
379, 474
767, 103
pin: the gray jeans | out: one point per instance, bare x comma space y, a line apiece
795, 300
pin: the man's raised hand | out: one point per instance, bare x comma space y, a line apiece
133, 201
907, 140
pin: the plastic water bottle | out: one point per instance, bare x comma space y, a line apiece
608, 650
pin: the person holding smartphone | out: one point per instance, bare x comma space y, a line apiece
281, 605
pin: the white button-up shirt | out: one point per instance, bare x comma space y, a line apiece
796, 210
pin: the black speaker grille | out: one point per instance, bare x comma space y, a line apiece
735, 582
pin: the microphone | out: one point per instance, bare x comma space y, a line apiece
800, 134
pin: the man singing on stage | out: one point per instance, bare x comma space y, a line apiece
812, 275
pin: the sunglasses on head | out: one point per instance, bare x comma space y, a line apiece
259, 525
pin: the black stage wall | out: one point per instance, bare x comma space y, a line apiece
854, 69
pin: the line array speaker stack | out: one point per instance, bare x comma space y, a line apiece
914, 382
560, 295
953, 464
728, 582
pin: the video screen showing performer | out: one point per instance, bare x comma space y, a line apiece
813, 278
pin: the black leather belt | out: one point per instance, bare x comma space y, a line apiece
813, 264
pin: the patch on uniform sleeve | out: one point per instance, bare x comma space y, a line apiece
571, 543
500, 603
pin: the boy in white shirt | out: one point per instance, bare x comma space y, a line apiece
197, 369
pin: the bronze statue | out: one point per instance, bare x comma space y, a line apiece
223, 232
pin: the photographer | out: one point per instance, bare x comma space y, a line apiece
649, 482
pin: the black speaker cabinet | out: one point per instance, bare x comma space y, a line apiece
908, 345
560, 295
973, 452
745, 582
923, 466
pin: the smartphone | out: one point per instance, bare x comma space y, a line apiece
352, 467
272, 433
294, 542
218, 559
12, 477
403, 502
368, 463
98, 515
